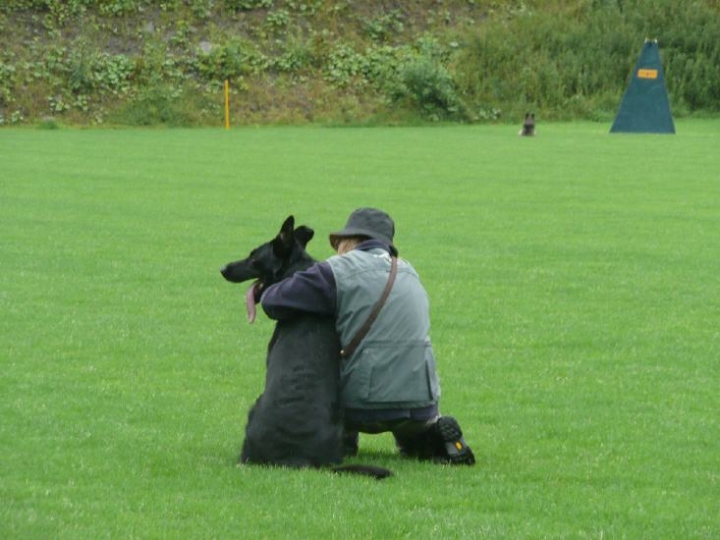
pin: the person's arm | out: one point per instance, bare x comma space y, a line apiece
310, 291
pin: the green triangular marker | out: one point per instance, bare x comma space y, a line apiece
645, 107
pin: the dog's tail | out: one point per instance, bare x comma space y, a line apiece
366, 470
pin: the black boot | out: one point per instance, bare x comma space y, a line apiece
453, 449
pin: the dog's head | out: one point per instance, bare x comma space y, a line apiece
272, 261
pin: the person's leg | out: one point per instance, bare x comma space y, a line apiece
350, 443
409, 434
415, 438
439, 438
353, 428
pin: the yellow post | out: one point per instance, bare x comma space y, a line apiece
227, 104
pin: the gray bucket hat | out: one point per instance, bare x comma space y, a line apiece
369, 222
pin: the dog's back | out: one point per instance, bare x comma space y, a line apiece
297, 422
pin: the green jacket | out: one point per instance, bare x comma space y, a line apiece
394, 365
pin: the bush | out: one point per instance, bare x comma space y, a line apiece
429, 88
7, 83
167, 106
246, 5
425, 84
224, 61
564, 62
93, 73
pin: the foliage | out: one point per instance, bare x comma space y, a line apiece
62, 10
156, 106
277, 21
430, 88
476, 60
384, 26
229, 60
7, 82
239, 5
577, 66
427, 84
414, 76
92, 72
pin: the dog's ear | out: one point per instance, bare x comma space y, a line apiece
304, 234
288, 225
283, 243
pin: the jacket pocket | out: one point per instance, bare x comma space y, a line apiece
397, 373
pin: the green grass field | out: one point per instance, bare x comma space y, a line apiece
575, 289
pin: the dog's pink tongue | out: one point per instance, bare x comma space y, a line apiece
250, 303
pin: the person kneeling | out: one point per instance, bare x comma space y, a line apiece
388, 377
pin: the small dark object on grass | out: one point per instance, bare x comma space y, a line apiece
528, 128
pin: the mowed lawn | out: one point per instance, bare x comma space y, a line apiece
574, 280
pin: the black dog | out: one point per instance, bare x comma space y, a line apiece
297, 420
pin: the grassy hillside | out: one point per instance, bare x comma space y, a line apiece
296, 61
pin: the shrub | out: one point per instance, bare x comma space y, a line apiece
246, 5
7, 83
566, 61
232, 59
344, 64
424, 83
277, 21
384, 26
430, 89
166, 105
93, 73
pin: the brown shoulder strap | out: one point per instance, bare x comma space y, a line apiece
350, 349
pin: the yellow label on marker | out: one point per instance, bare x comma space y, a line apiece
647, 73
458, 445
